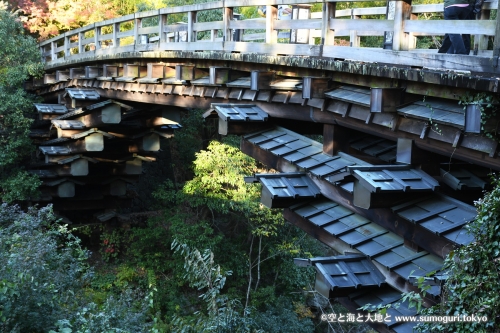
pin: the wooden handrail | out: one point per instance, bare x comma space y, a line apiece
110, 36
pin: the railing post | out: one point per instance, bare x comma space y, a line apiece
81, 36
116, 30
400, 40
53, 55
327, 34
271, 16
66, 46
191, 35
353, 34
481, 41
137, 25
161, 26
228, 16
496, 42
97, 33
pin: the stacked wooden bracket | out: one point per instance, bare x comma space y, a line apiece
90, 149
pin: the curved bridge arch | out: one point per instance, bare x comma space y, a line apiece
358, 98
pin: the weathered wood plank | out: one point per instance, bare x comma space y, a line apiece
362, 11
401, 40
148, 30
433, 60
197, 46
478, 27
121, 19
146, 14
304, 49
343, 24
175, 28
298, 24
205, 26
248, 24
195, 8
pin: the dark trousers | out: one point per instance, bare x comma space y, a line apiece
456, 43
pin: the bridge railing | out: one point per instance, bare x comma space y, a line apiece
398, 22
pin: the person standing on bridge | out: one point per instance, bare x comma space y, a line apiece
474, 13
456, 10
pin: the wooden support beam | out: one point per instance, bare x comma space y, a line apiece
80, 167
62, 76
134, 70
314, 87
49, 78
63, 190
76, 73
335, 139
261, 80
109, 114
92, 72
156, 70
112, 71
240, 128
189, 73
365, 199
92, 142
382, 216
219, 75
133, 167
385, 99
408, 153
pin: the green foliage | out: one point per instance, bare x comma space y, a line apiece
217, 210
37, 275
280, 317
218, 181
472, 287
488, 105
19, 59
187, 142
111, 244
203, 274
43, 275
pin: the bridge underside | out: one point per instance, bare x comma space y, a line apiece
393, 180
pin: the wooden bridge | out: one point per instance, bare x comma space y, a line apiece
401, 160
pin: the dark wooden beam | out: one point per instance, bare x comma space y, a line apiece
392, 278
429, 144
382, 216
335, 139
